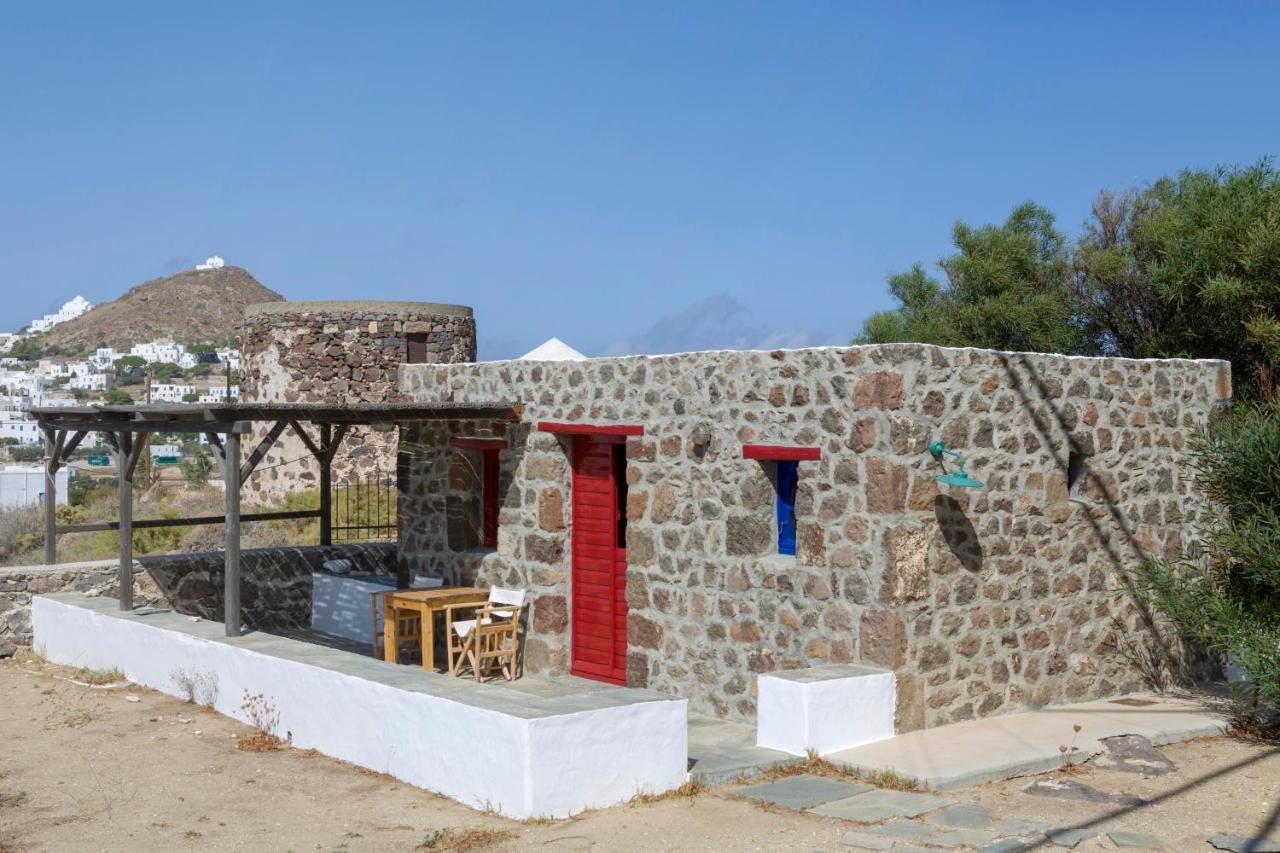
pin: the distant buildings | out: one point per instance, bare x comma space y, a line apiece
23, 485
69, 311
214, 263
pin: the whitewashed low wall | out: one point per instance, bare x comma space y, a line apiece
516, 762
824, 709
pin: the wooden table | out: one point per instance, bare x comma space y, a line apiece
424, 602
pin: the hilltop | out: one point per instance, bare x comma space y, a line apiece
191, 307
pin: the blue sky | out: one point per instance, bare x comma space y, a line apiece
624, 176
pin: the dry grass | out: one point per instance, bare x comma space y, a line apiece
689, 789
260, 742
815, 765
465, 840
98, 677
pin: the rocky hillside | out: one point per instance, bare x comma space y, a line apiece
192, 307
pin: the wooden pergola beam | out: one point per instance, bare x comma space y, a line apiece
261, 450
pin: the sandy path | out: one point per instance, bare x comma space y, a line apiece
85, 769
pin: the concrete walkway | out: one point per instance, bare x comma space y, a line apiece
977, 751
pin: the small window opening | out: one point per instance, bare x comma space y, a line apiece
1077, 474
415, 348
785, 479
620, 489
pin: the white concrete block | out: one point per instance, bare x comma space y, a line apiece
824, 708
488, 746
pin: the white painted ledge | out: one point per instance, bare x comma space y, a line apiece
521, 750
824, 708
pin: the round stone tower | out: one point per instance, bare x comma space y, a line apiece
336, 353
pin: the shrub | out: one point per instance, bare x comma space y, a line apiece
1225, 591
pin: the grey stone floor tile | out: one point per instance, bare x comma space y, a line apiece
878, 805
1006, 845
863, 841
906, 829
1070, 837
1136, 840
963, 816
962, 838
801, 792
1021, 827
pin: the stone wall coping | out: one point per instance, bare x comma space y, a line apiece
901, 347
827, 672
352, 548
82, 566
358, 306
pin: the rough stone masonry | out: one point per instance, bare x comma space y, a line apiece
335, 353
981, 601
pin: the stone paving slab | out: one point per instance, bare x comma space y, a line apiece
1135, 840
801, 792
904, 829
722, 750
962, 838
963, 816
1070, 837
993, 748
879, 804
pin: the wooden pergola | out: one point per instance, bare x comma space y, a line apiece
127, 431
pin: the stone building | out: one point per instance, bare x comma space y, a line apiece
688, 522
340, 352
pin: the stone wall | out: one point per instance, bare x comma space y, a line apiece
275, 583
337, 352
98, 577
982, 601
275, 590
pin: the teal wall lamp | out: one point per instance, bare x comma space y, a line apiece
957, 477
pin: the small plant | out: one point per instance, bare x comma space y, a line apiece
1068, 750
464, 840
263, 716
198, 688
98, 677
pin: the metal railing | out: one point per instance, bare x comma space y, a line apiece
364, 509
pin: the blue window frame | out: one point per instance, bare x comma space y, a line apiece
786, 475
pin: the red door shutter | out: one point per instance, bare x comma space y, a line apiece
599, 640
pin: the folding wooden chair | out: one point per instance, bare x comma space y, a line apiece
487, 639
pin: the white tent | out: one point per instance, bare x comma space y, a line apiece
553, 350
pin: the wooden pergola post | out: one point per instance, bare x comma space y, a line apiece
126, 447
231, 575
325, 459
53, 449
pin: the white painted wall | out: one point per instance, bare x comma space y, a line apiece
797, 712
23, 485
518, 765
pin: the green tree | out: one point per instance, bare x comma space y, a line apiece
191, 397
163, 371
116, 397
196, 468
127, 362
1189, 267
1007, 287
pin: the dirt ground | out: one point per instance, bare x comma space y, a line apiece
86, 769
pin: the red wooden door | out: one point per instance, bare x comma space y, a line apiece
599, 559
